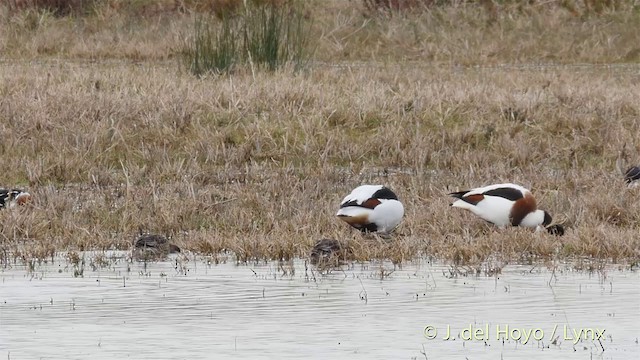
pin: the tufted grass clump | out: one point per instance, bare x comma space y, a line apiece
268, 35
214, 50
275, 36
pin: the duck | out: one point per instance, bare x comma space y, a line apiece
13, 197
153, 246
632, 176
371, 209
506, 205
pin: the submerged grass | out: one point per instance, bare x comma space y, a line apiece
256, 163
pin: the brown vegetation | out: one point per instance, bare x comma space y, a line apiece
257, 163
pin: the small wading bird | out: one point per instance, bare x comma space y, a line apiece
327, 253
632, 175
372, 208
506, 204
152, 246
14, 197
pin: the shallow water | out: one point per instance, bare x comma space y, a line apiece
195, 310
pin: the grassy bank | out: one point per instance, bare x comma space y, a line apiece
257, 162
461, 33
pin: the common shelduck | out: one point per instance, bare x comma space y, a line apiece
504, 205
632, 176
372, 208
12, 198
152, 246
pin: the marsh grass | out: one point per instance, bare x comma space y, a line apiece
255, 164
338, 31
56, 7
213, 50
266, 35
276, 35
495, 9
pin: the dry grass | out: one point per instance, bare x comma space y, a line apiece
460, 34
257, 163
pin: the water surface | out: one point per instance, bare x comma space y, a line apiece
197, 310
